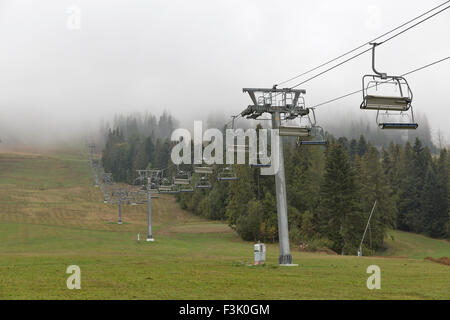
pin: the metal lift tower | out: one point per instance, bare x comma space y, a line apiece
150, 176
279, 102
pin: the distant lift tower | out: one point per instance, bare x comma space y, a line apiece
288, 103
151, 179
119, 196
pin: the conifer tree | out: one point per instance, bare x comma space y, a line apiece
339, 218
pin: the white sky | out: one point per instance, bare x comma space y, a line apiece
194, 57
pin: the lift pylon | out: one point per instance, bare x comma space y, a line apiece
289, 104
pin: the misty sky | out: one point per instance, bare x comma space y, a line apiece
193, 57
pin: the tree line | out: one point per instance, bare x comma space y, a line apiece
330, 190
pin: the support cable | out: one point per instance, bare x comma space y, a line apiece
365, 44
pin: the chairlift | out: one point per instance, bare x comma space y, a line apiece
317, 138
238, 148
264, 161
395, 97
203, 183
186, 188
152, 183
408, 125
241, 147
153, 187
294, 124
203, 170
182, 178
227, 174
167, 187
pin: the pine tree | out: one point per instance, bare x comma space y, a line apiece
373, 185
339, 218
435, 198
407, 187
240, 194
361, 147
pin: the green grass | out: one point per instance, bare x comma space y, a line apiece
416, 246
57, 219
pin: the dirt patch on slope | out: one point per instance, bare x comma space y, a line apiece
442, 260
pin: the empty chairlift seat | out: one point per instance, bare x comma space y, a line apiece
203, 183
372, 102
182, 178
317, 138
400, 126
261, 161
186, 188
391, 94
167, 188
227, 174
204, 170
294, 131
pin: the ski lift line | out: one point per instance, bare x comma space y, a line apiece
363, 45
426, 66
359, 54
359, 91
331, 68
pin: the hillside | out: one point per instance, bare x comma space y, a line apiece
415, 246
52, 217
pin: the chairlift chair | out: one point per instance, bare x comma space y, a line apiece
153, 188
266, 163
409, 125
244, 147
203, 183
397, 100
294, 123
317, 138
182, 178
203, 170
166, 187
238, 148
227, 174
186, 188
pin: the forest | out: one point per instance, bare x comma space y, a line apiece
330, 190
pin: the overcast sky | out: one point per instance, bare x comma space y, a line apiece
193, 57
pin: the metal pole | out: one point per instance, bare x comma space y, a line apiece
285, 257
105, 191
149, 210
364, 234
120, 211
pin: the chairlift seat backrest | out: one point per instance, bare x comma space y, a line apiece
294, 131
165, 188
182, 181
238, 148
373, 102
203, 170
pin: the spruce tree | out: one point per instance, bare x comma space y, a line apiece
339, 219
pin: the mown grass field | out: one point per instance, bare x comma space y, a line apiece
51, 217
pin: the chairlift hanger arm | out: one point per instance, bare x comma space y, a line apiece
381, 74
